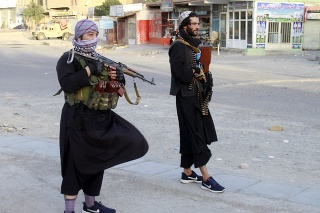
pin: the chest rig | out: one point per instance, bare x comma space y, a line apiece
101, 94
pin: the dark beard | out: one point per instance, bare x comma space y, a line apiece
191, 40
191, 32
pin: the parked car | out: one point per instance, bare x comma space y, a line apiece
56, 28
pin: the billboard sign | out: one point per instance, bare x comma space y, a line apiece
166, 6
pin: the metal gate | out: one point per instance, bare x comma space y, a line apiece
279, 35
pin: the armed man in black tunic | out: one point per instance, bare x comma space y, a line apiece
191, 86
92, 136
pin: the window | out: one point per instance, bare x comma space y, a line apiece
167, 26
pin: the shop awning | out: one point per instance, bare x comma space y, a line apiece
216, 1
312, 12
182, 2
207, 2
153, 4
312, 9
201, 3
127, 15
190, 2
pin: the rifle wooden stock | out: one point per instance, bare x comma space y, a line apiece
129, 72
205, 58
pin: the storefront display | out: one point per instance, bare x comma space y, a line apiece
204, 25
279, 24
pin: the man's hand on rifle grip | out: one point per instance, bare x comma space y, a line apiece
111, 72
115, 73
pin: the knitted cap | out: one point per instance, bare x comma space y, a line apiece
84, 26
183, 16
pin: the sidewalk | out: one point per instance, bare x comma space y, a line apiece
30, 182
30, 167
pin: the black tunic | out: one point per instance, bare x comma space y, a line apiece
96, 139
196, 130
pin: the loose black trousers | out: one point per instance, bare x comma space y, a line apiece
197, 131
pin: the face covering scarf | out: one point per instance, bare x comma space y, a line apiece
84, 47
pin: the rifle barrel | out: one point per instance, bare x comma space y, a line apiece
124, 68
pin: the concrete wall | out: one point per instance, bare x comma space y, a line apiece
311, 35
143, 27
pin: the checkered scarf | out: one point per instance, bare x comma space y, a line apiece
85, 46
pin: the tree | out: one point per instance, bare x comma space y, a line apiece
104, 9
33, 13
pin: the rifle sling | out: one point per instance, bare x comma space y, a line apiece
187, 43
137, 94
59, 92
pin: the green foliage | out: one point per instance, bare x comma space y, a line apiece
104, 9
33, 13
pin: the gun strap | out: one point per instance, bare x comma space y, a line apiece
187, 43
137, 94
59, 92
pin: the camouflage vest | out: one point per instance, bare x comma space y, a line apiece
101, 94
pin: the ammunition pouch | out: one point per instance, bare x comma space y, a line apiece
101, 94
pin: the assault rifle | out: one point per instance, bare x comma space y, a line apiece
119, 66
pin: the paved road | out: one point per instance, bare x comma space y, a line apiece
29, 166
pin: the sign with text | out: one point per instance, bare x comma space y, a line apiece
166, 6
280, 11
106, 24
116, 10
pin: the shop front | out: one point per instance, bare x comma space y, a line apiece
160, 28
311, 28
245, 25
262, 25
279, 25
236, 25
165, 21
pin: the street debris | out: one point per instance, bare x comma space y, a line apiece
276, 128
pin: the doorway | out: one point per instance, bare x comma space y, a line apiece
240, 29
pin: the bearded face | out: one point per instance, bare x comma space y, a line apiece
193, 27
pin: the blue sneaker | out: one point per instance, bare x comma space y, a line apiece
212, 186
193, 178
97, 208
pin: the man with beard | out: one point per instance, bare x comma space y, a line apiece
92, 137
188, 84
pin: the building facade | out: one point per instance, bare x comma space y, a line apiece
10, 12
246, 25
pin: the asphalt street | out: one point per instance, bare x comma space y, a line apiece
251, 94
